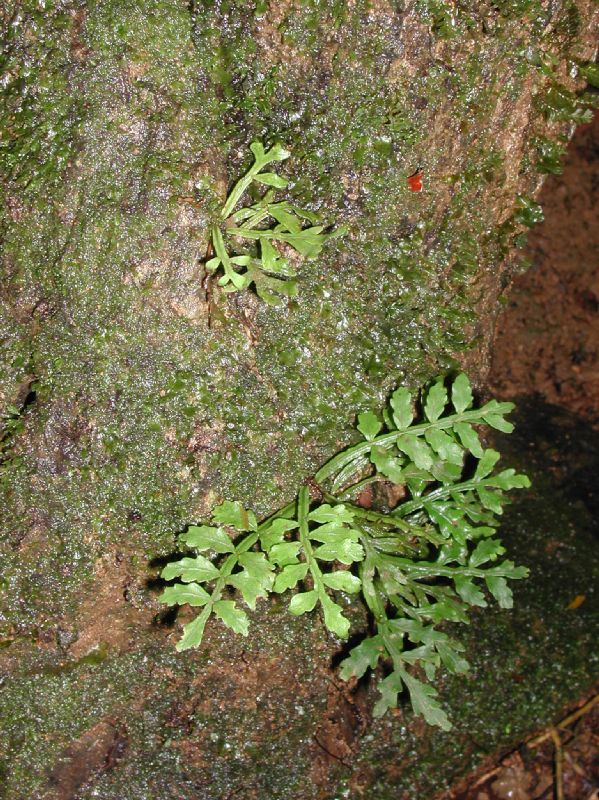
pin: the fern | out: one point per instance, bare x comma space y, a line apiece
424, 563
264, 266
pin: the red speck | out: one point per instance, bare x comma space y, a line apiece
415, 181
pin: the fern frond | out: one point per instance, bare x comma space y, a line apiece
426, 562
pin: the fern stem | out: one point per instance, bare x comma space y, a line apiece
252, 221
442, 493
348, 472
303, 508
374, 602
417, 570
239, 188
386, 439
367, 570
378, 518
359, 485
226, 569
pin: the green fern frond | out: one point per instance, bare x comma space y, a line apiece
267, 224
424, 563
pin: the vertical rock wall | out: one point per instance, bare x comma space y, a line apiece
132, 401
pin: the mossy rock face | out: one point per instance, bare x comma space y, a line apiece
268, 717
140, 399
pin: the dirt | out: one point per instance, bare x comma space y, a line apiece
96, 750
107, 616
530, 772
336, 740
547, 339
547, 343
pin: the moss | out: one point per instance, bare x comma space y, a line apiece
515, 9
154, 699
528, 212
40, 111
549, 155
560, 104
153, 380
132, 125
245, 714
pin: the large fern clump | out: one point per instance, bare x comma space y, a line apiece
423, 563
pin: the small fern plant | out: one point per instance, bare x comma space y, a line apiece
420, 565
268, 225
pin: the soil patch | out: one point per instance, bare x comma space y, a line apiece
562, 762
547, 340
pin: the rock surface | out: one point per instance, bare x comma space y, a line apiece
133, 400
107, 709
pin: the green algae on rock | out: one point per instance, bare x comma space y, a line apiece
145, 721
121, 124
115, 167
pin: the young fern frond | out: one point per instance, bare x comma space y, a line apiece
264, 266
423, 563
